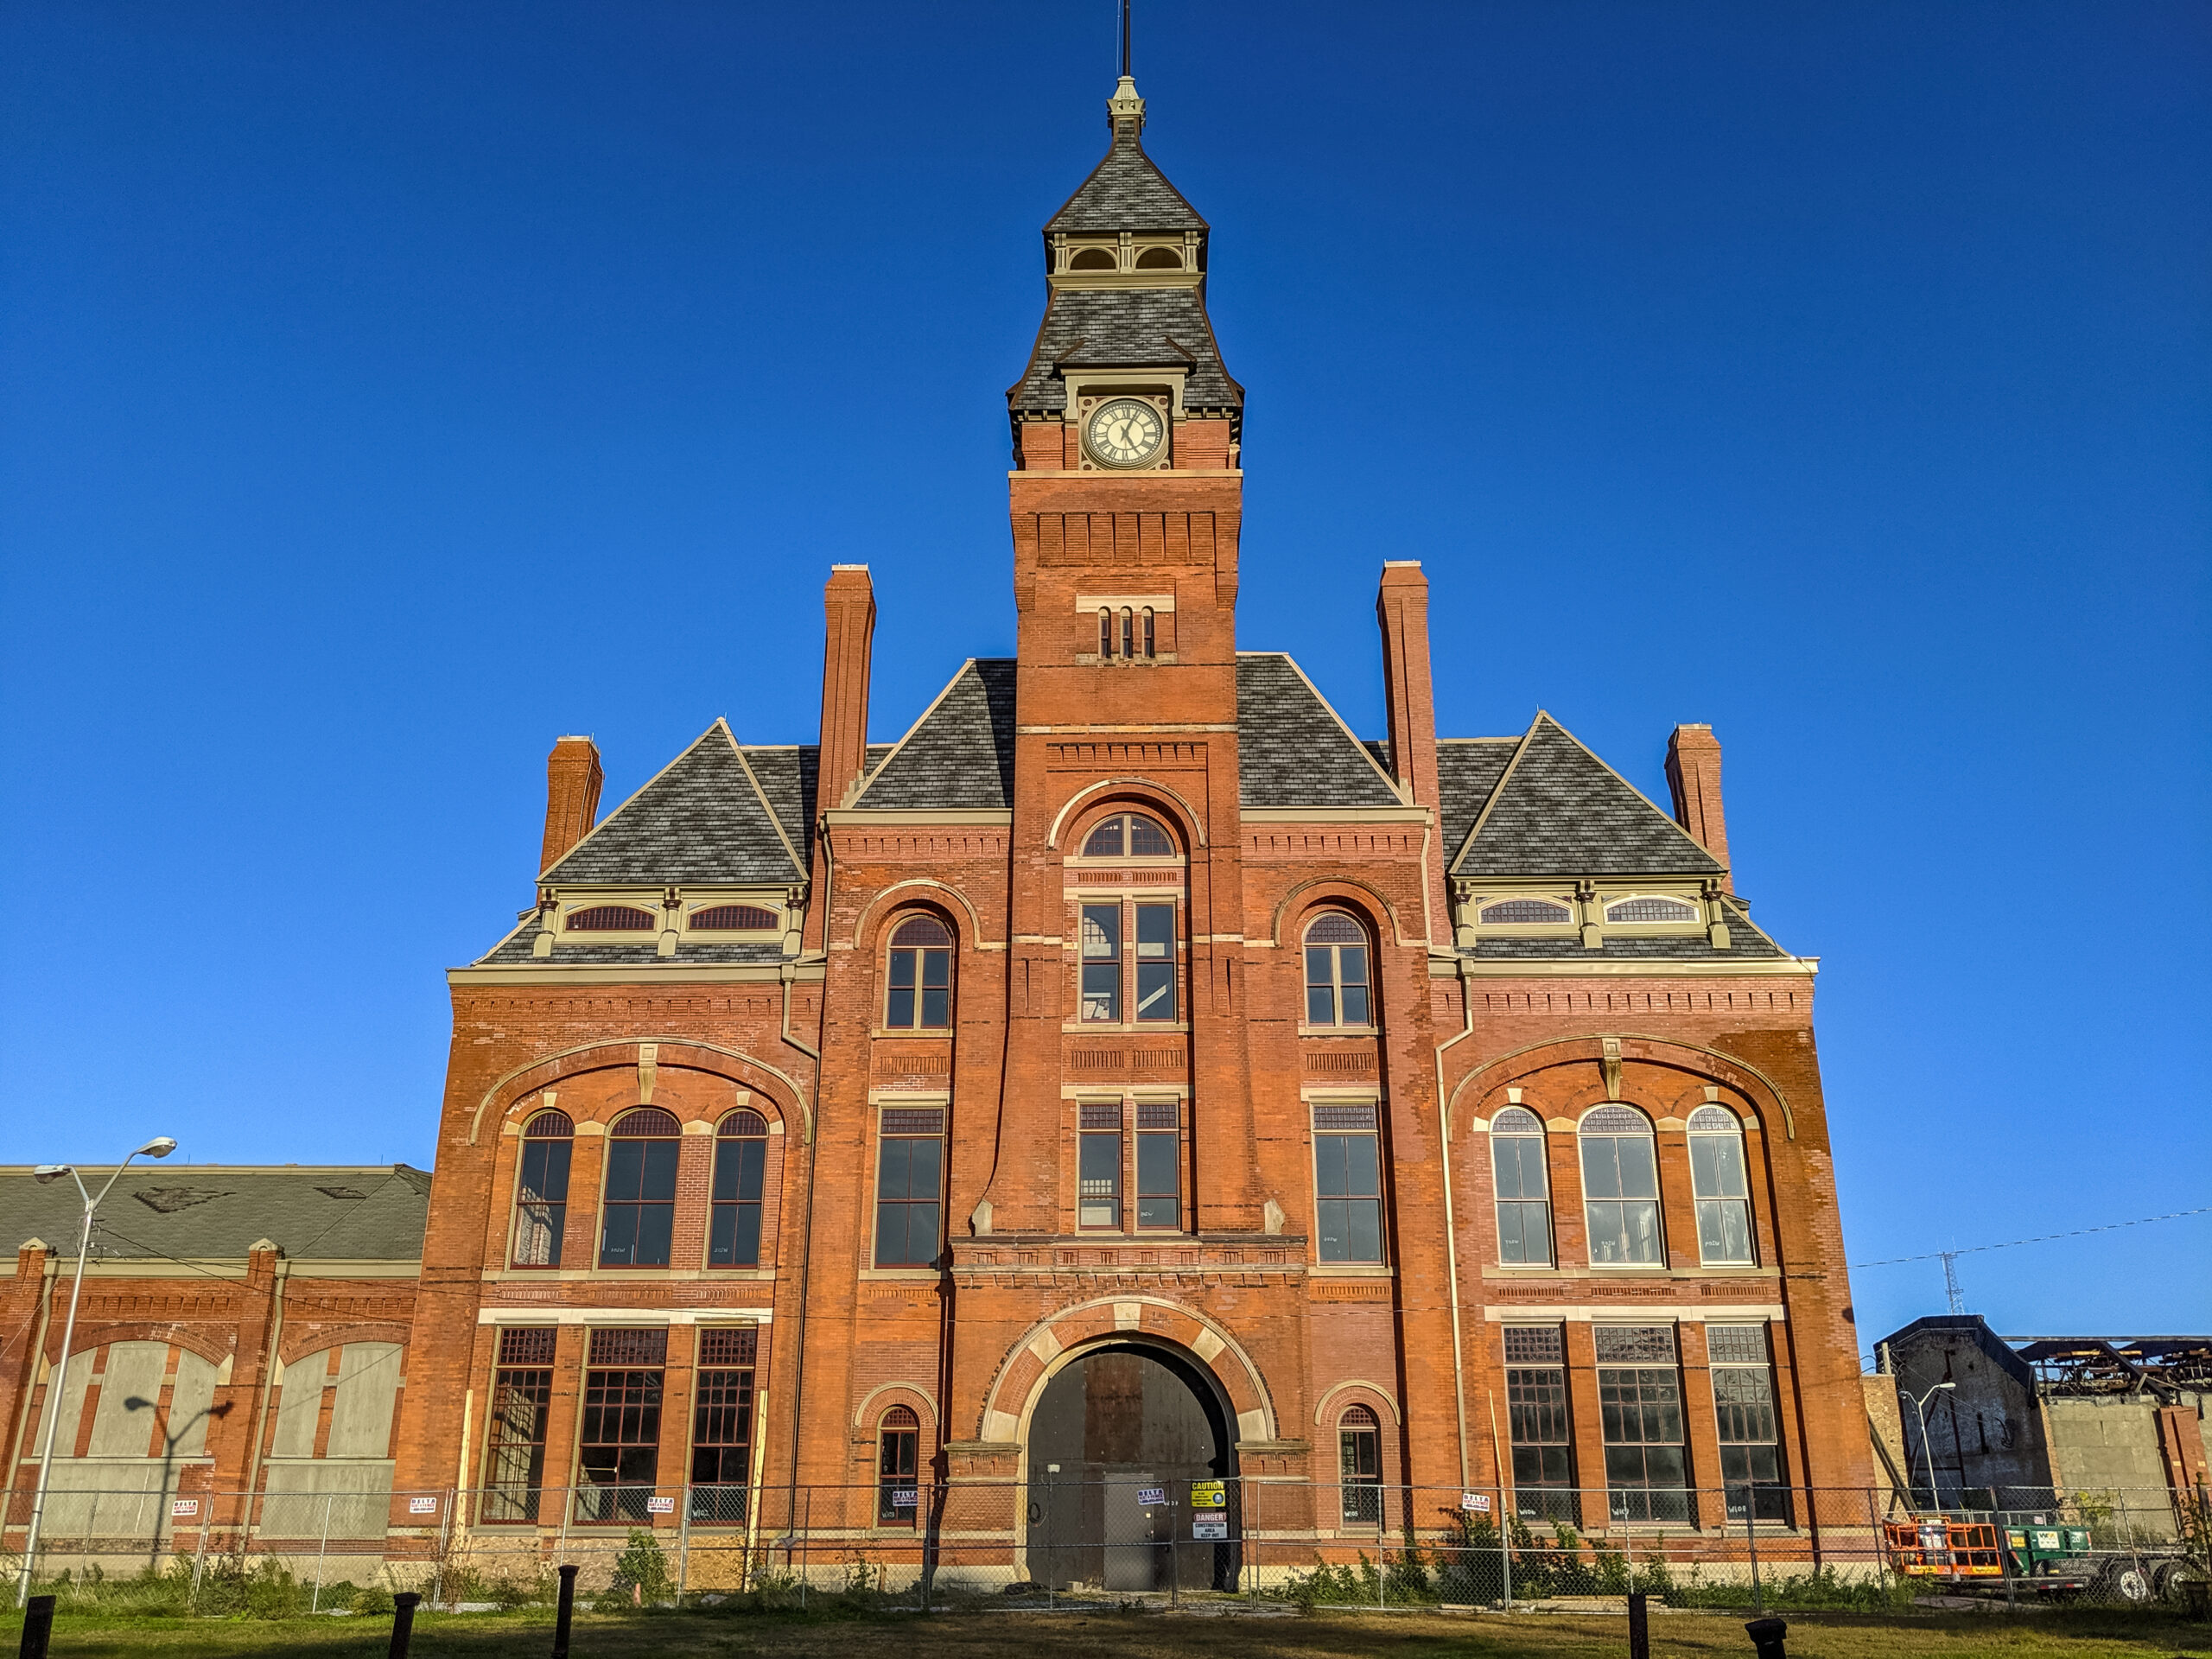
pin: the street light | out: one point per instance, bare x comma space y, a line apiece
1928, 1451
159, 1146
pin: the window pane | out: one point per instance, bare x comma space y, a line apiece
936, 968
1351, 964
1638, 1166
1155, 931
1102, 930
924, 1157
657, 1177
545, 1170
1601, 1169
1525, 1233
1102, 991
625, 1166
1355, 1006
1716, 1167
1320, 986
1098, 1171
899, 1012
1363, 1167
1330, 1158
1105, 841
902, 967
937, 1007
1364, 1217
1155, 990
1159, 1180
656, 1228
1723, 1230
738, 1168
1520, 1161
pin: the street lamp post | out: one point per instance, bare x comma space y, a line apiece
160, 1147
1927, 1451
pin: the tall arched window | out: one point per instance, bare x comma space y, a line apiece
897, 1465
1105, 631
1717, 1182
741, 1166
1620, 1186
1151, 633
1129, 632
638, 1218
1336, 972
919, 997
1524, 1195
1359, 1465
542, 1189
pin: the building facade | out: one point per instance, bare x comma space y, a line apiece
1130, 1069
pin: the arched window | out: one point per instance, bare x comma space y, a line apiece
899, 1463
1620, 1186
1650, 910
638, 1220
1128, 834
1159, 259
611, 918
1129, 632
1150, 637
1336, 972
1093, 259
919, 997
1105, 631
1524, 1195
1359, 1462
542, 1189
1524, 912
1717, 1182
733, 919
740, 1167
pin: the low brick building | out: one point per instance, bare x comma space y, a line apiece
1131, 1071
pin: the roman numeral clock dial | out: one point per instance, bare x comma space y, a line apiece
1124, 432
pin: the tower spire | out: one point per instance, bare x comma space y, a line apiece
1125, 39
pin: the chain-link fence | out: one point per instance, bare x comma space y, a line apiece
1121, 1537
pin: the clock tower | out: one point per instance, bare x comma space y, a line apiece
1126, 501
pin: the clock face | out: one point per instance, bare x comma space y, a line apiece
1124, 432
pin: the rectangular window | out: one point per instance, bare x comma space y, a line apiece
734, 1227
1525, 1210
1160, 1166
541, 1203
722, 1426
909, 1187
1743, 1406
619, 1451
1359, 1471
1542, 1428
639, 1223
1155, 962
1647, 1468
522, 1399
1102, 963
1098, 1169
1347, 1183
1620, 1186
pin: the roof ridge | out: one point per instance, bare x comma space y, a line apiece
861, 789
1356, 742
584, 840
767, 806
1497, 792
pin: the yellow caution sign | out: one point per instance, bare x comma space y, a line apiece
1209, 1495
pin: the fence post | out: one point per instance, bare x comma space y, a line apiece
38, 1625
804, 1531
1751, 1539
1639, 1626
321, 1550
200, 1555
403, 1623
684, 1543
565, 1612
1881, 1554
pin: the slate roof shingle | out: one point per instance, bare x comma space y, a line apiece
1467, 770
1124, 327
1291, 748
1560, 811
1125, 191
218, 1210
702, 821
959, 756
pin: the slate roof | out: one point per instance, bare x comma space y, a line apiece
959, 755
703, 820
786, 773
514, 951
1746, 942
1560, 811
1291, 748
1467, 770
311, 1211
1125, 191
1124, 327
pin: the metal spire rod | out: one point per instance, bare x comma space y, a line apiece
1125, 37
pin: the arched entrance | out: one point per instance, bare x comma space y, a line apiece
1117, 1438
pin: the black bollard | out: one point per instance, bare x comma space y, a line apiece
1766, 1636
1639, 1626
566, 1613
403, 1623
38, 1626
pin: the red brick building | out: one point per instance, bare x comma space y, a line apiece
1131, 1069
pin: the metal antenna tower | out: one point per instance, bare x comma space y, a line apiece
1957, 1297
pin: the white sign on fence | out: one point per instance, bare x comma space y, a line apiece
906, 1497
1212, 1528
1152, 1494
422, 1506
660, 1506
1478, 1502
179, 1507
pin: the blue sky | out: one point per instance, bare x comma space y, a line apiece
388, 389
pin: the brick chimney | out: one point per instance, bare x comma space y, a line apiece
1402, 608
1694, 774
849, 608
572, 781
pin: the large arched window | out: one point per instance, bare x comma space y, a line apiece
542, 1189
740, 1167
1524, 1197
1620, 1187
1337, 989
639, 1217
1717, 1180
899, 1464
919, 997
1359, 1465
1128, 834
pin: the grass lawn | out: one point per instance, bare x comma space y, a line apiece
1142, 1636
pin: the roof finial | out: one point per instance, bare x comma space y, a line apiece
1125, 104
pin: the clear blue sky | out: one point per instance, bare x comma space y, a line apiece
388, 389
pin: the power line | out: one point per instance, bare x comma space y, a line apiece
2041, 1238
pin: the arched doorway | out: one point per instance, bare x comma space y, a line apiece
1118, 1438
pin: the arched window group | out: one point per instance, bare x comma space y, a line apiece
1621, 1210
1131, 634
637, 1219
